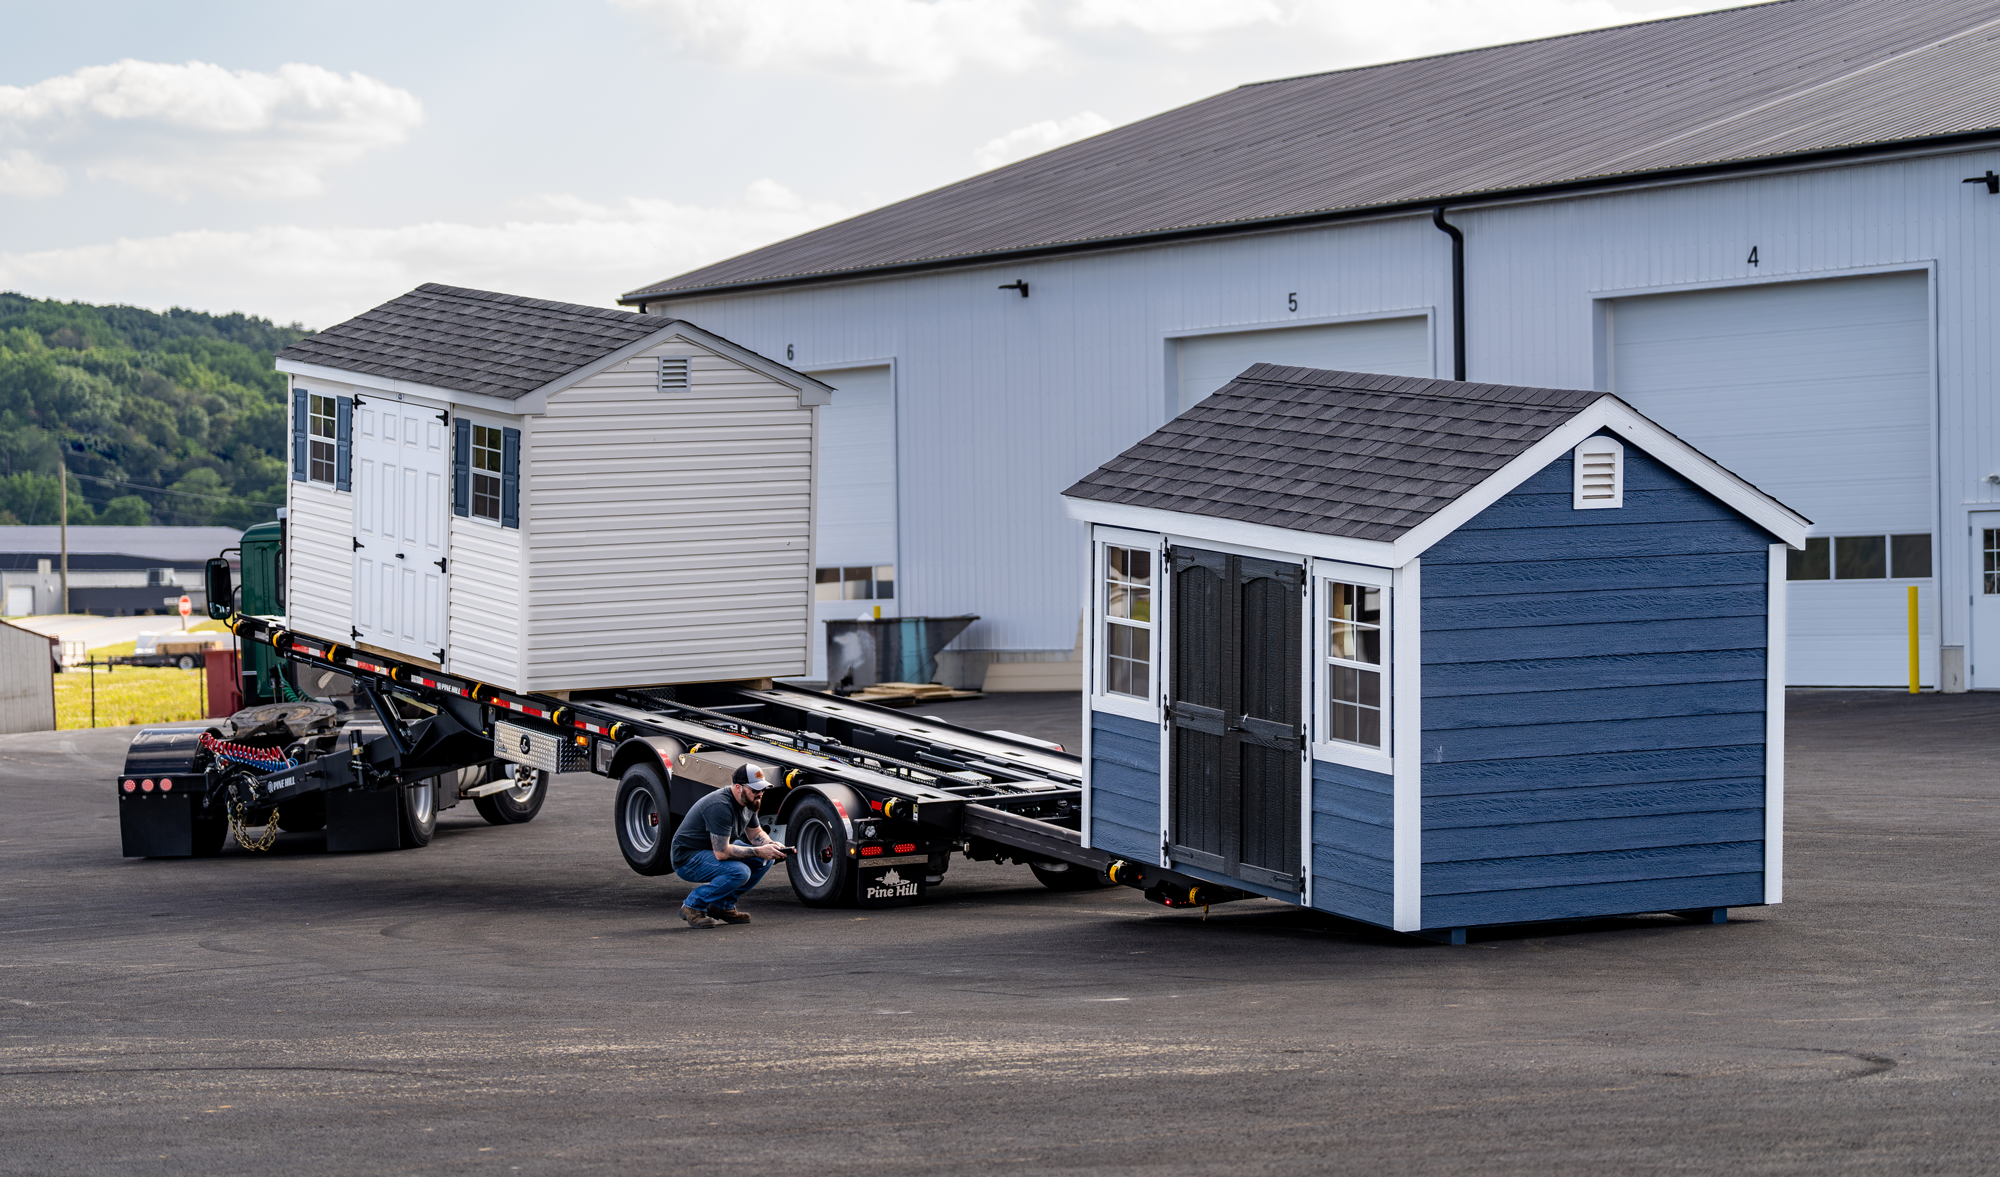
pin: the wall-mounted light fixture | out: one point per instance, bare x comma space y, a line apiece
1017, 284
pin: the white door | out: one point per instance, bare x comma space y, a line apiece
402, 510
20, 600
1820, 394
1982, 671
855, 531
1392, 347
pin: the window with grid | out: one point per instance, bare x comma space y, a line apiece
1128, 622
868, 582
321, 447
1989, 550
1861, 557
486, 472
1354, 674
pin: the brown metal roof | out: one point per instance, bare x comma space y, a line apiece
1763, 83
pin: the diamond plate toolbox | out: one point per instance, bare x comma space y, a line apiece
543, 750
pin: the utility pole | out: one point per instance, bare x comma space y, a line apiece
64, 494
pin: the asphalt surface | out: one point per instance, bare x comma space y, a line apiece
515, 1000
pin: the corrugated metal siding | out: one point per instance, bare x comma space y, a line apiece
1353, 835
27, 682
485, 612
669, 536
1125, 785
319, 561
1650, 621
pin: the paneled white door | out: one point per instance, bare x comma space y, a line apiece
402, 515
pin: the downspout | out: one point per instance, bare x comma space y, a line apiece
1457, 293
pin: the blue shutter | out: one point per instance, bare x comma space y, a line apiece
510, 478
461, 467
343, 442
298, 435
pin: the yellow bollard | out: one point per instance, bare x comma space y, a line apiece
1913, 639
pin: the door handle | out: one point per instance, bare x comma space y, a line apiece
399, 555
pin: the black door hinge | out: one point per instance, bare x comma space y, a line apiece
441, 567
440, 658
354, 634
444, 416
357, 543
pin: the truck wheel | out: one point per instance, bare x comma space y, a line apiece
511, 807
419, 814
185, 662
640, 813
819, 868
1066, 876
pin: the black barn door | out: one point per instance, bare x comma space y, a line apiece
1234, 711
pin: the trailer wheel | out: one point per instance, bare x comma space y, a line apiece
511, 807
644, 827
820, 872
186, 662
419, 814
1067, 876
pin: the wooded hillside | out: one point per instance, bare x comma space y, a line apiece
174, 418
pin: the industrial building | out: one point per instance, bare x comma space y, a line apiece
1771, 229
113, 571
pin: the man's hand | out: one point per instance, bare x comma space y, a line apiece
771, 850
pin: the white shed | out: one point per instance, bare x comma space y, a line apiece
550, 497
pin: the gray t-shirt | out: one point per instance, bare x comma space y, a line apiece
716, 814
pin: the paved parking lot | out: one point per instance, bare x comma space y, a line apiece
515, 1000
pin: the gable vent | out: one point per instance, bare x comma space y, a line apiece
1600, 475
673, 373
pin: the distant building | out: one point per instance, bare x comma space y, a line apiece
113, 571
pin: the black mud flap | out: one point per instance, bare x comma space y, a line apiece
153, 825
363, 819
894, 885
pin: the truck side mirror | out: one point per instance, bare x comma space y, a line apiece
221, 588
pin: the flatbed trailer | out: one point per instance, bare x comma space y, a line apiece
874, 801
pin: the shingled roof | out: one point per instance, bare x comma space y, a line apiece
1331, 453
1743, 87
473, 341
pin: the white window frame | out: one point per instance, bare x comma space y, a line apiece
1101, 698
472, 473
1326, 573
315, 439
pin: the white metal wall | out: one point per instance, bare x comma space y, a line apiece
1394, 347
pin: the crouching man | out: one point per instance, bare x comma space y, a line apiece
721, 846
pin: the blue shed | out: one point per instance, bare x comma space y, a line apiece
1434, 655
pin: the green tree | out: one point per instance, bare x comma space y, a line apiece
125, 511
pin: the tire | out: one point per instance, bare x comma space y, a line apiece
185, 662
511, 807
303, 815
821, 874
645, 827
419, 814
1064, 876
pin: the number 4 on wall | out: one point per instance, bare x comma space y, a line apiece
1752, 259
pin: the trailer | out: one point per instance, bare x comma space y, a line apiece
874, 801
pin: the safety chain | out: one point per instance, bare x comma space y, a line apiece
265, 842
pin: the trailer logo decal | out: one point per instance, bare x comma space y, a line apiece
891, 885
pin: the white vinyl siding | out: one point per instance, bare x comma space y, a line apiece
319, 565
486, 586
1820, 394
668, 537
1393, 347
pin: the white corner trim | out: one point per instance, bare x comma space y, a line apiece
1774, 731
531, 403
1282, 543
1406, 657
1607, 412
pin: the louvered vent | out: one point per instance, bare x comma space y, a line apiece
1600, 475
673, 373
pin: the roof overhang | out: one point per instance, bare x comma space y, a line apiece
534, 402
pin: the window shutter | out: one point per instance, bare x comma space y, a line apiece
1600, 474
343, 443
510, 478
299, 435
461, 468
674, 374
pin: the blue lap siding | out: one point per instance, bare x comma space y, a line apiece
1353, 837
1125, 786
1593, 705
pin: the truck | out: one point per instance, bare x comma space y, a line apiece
875, 803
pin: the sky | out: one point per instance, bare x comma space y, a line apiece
307, 162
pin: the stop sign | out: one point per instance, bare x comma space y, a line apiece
187, 606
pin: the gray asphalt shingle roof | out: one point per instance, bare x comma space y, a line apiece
1331, 453
474, 341
1747, 84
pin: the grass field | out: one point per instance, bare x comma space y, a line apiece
128, 695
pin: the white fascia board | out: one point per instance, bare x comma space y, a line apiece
1230, 531
811, 391
532, 403
1608, 412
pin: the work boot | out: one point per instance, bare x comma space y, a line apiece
729, 915
696, 919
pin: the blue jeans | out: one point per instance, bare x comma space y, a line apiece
721, 879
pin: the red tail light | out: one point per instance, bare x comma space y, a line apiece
145, 786
870, 851
166, 786
907, 848
131, 786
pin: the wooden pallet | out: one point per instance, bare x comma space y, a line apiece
909, 694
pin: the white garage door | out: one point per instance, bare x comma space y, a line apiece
855, 544
1820, 393
1393, 347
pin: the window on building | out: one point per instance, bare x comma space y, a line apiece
1128, 622
321, 439
486, 454
868, 582
1861, 557
1355, 696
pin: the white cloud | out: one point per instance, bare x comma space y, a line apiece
561, 247
1035, 138
1176, 18
899, 41
177, 129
